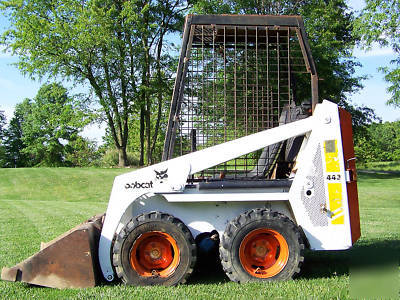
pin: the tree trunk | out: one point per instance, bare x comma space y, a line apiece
157, 126
141, 129
147, 101
122, 157
159, 94
148, 135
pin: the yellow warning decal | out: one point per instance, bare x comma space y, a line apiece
331, 156
336, 202
339, 220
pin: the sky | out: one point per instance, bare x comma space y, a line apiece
15, 87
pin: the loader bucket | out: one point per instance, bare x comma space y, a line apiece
68, 261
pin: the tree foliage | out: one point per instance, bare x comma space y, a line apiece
2, 125
379, 23
374, 145
13, 144
120, 48
42, 129
81, 152
116, 46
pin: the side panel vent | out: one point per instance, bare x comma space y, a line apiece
313, 195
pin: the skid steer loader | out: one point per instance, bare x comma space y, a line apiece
250, 164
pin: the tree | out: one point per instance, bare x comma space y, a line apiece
329, 25
157, 19
379, 23
2, 150
81, 152
380, 135
2, 123
42, 128
374, 145
13, 144
116, 46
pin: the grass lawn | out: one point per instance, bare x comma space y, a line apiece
38, 204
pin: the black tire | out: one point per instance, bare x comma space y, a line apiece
131, 240
241, 237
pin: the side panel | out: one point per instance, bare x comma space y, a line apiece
318, 194
348, 153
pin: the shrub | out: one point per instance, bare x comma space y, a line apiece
110, 158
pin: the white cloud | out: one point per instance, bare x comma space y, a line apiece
8, 111
356, 4
375, 50
95, 132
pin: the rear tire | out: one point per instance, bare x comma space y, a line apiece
261, 245
154, 249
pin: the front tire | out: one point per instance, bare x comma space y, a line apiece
154, 249
261, 245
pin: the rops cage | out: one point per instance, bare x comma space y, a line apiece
239, 75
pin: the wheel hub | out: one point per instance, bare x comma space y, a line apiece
154, 253
263, 253
261, 248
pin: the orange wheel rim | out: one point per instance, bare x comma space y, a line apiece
263, 253
154, 253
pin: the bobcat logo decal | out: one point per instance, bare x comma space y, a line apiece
161, 175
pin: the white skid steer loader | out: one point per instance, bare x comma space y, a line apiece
244, 166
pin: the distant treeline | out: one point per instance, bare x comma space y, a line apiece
45, 131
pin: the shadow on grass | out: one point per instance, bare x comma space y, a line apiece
380, 165
317, 264
375, 174
208, 270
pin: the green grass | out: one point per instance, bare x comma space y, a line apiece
39, 204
